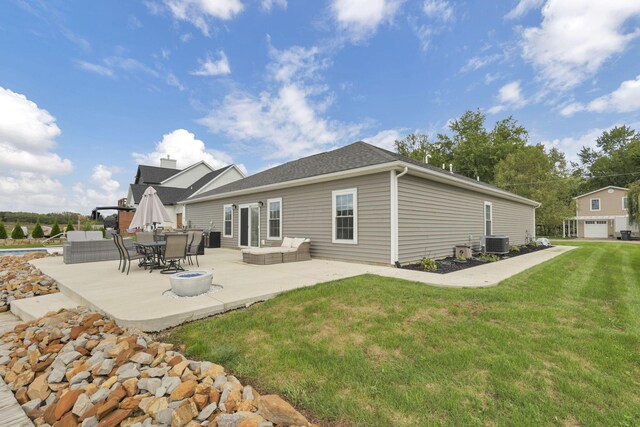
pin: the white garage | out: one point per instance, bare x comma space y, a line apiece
596, 229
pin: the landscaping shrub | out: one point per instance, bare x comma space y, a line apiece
37, 232
3, 231
55, 229
514, 248
70, 226
428, 264
17, 232
533, 244
489, 257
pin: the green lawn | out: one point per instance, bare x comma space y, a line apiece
556, 345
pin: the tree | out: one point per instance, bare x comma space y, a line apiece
70, 225
417, 147
55, 230
3, 231
37, 232
540, 175
17, 232
633, 203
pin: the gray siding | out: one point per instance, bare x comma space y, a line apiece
306, 212
434, 217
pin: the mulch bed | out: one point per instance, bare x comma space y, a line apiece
451, 264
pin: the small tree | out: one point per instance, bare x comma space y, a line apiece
37, 232
633, 203
55, 230
17, 232
3, 231
70, 226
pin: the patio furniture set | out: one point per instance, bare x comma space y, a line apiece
89, 246
291, 250
160, 251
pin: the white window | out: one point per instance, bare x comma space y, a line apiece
625, 203
595, 204
227, 221
345, 216
274, 218
488, 219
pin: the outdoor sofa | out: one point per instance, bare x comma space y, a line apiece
291, 250
90, 246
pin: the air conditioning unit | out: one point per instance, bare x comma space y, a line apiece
496, 244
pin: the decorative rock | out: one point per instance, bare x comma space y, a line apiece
184, 390
275, 409
150, 384
31, 405
82, 405
66, 402
185, 413
128, 370
69, 357
90, 422
39, 388
79, 377
164, 416
105, 367
207, 411
114, 418
131, 386
142, 358
156, 372
170, 383
99, 395
156, 405
244, 418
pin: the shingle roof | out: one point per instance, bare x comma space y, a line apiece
352, 156
172, 195
154, 174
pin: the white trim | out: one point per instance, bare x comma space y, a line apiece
216, 178
269, 236
354, 193
600, 189
384, 167
484, 218
224, 225
248, 206
623, 198
188, 168
394, 216
591, 204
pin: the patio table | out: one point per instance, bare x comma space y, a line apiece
154, 251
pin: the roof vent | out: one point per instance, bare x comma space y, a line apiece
168, 163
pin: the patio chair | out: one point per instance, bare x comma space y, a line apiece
194, 247
144, 237
174, 251
120, 251
128, 256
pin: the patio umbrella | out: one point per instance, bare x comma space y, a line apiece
150, 210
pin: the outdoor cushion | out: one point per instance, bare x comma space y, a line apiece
94, 235
286, 242
260, 251
76, 236
297, 242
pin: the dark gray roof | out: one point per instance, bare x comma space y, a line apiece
172, 195
352, 156
154, 174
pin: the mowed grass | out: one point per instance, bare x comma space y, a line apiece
558, 344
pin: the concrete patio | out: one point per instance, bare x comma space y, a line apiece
137, 300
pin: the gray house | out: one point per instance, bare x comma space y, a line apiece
362, 203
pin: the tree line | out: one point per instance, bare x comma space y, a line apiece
503, 156
32, 217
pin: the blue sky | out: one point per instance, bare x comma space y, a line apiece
90, 89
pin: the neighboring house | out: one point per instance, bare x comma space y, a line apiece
601, 214
362, 203
174, 185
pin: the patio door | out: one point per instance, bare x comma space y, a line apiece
249, 226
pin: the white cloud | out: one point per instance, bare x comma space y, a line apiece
571, 145
509, 96
624, 99
172, 80
385, 138
268, 4
423, 32
129, 65
95, 68
102, 190
477, 62
183, 146
577, 37
212, 67
27, 134
198, 12
32, 192
360, 19
288, 120
523, 7
438, 9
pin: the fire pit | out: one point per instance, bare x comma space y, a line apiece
190, 283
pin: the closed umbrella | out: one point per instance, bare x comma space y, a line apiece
150, 210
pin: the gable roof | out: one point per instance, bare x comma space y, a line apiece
172, 195
153, 174
180, 172
350, 157
600, 189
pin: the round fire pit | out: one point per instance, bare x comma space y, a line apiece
190, 283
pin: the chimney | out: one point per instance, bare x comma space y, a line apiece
168, 163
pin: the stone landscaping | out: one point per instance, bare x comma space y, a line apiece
19, 279
75, 367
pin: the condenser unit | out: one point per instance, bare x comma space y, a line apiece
496, 244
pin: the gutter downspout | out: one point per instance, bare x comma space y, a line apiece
394, 213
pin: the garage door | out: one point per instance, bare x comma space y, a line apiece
596, 229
